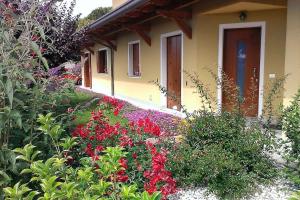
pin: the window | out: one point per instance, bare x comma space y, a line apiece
134, 69
102, 61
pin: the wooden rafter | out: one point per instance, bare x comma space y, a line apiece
108, 42
180, 17
175, 14
134, 14
148, 8
112, 44
90, 50
142, 31
160, 2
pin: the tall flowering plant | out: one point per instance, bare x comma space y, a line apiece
146, 159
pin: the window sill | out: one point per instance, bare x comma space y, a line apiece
135, 77
103, 74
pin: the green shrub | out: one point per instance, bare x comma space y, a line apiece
91, 180
223, 151
291, 126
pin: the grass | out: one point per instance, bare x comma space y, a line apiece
83, 116
78, 98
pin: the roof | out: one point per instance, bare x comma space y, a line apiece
132, 13
127, 6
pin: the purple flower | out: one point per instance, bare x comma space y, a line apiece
168, 123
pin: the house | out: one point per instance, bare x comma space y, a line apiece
157, 40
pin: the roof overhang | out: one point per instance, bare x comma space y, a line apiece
135, 15
244, 6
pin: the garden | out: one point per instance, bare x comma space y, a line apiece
58, 142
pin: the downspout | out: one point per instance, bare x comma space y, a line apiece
112, 72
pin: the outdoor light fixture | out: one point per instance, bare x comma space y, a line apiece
243, 16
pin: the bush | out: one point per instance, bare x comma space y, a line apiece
291, 126
223, 151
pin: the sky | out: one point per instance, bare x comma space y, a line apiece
87, 6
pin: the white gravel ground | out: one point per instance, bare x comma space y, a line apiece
280, 190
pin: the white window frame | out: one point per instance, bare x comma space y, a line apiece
222, 28
130, 59
108, 60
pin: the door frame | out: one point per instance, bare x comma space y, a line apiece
90, 71
163, 65
222, 28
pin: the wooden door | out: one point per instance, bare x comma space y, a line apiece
174, 71
136, 59
87, 71
241, 63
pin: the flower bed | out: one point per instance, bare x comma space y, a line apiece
168, 123
146, 159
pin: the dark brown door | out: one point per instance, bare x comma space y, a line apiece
87, 71
241, 63
174, 71
136, 59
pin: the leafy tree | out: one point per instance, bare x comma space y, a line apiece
66, 39
94, 15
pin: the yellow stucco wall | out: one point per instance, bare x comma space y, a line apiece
292, 60
100, 82
200, 52
116, 3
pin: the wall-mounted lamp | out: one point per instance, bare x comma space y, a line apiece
243, 16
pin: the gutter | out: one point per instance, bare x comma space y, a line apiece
128, 6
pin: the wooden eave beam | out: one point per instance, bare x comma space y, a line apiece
111, 44
90, 50
148, 8
142, 31
180, 17
175, 14
105, 42
160, 2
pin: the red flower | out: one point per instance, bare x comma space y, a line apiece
124, 131
139, 167
121, 176
126, 141
123, 163
99, 148
116, 112
134, 156
150, 188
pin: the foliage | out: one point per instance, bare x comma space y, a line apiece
94, 15
291, 127
291, 124
25, 33
295, 196
22, 37
57, 179
60, 180
66, 39
145, 162
224, 151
